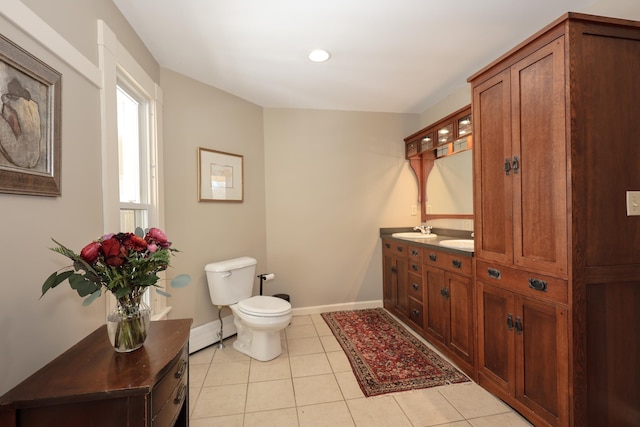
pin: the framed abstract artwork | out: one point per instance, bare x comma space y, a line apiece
30, 121
220, 176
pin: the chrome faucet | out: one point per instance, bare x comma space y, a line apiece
424, 229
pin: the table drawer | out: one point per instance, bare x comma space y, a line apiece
523, 282
172, 407
164, 390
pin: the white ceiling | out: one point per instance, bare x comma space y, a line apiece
387, 55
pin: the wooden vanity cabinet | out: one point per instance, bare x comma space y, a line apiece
432, 291
415, 287
394, 276
449, 306
554, 124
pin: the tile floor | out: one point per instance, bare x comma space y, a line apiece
311, 384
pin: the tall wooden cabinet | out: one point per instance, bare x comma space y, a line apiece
556, 126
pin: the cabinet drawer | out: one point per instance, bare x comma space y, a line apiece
415, 312
523, 282
163, 392
394, 248
415, 287
456, 263
414, 253
414, 266
451, 262
172, 407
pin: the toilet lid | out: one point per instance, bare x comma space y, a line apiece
262, 305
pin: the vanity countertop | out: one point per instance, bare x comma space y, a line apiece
442, 234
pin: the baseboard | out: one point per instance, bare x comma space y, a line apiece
205, 335
336, 307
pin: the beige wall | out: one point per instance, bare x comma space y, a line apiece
196, 115
34, 331
333, 178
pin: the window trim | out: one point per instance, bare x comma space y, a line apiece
117, 64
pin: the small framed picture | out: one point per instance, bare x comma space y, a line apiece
220, 176
30, 121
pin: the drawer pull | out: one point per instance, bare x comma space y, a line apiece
415, 267
494, 273
415, 286
415, 252
433, 257
180, 372
538, 285
416, 312
399, 248
444, 292
180, 396
457, 263
518, 325
387, 245
510, 322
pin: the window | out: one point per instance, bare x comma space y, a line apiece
131, 148
134, 164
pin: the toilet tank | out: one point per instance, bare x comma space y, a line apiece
230, 281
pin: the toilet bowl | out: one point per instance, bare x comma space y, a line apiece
258, 319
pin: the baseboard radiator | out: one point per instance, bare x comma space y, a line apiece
205, 335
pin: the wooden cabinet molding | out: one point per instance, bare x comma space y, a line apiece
422, 161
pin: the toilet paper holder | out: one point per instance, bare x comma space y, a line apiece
264, 277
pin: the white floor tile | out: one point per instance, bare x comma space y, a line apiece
333, 414
268, 395
311, 384
380, 411
316, 389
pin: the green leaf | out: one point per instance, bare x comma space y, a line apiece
83, 286
161, 292
122, 292
91, 298
180, 281
54, 280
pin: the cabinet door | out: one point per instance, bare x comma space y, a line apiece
389, 281
539, 160
436, 317
491, 155
460, 294
496, 323
541, 359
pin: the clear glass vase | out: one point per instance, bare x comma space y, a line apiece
128, 323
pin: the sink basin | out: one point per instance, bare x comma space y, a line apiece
458, 244
414, 235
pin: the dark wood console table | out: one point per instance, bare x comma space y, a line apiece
92, 385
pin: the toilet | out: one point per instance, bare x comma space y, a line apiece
258, 319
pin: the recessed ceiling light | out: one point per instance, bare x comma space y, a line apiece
319, 55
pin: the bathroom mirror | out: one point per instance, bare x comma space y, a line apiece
449, 189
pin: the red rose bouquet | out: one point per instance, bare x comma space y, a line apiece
126, 264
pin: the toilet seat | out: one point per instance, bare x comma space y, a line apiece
264, 306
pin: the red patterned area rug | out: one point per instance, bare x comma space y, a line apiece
385, 357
